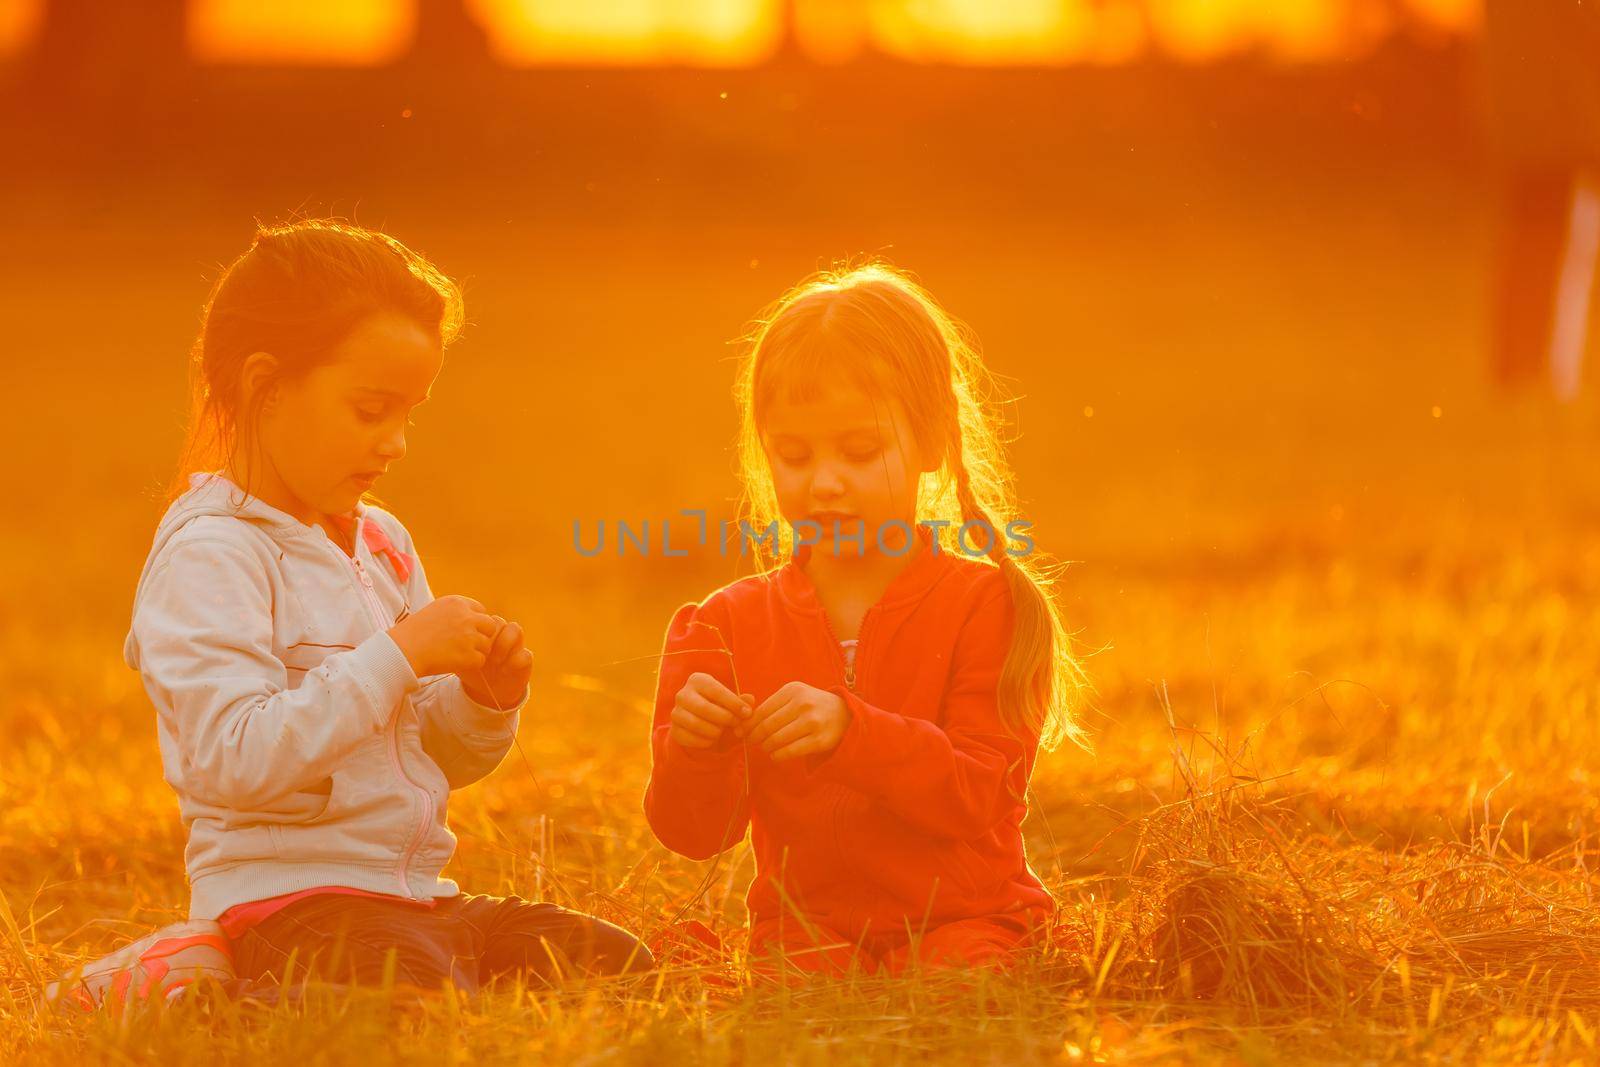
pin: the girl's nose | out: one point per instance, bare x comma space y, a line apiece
393, 446
826, 483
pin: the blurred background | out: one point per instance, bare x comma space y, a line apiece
1292, 297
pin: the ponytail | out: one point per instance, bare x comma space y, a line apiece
1040, 679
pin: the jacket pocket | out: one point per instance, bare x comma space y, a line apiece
317, 800
300, 805
347, 816
310, 806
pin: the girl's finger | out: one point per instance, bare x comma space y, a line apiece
794, 750
787, 736
504, 641
691, 740
776, 700
704, 709
522, 659
492, 654
687, 721
783, 695
713, 690
776, 719
487, 625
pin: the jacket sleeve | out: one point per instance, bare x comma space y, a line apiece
696, 799
204, 629
956, 777
466, 739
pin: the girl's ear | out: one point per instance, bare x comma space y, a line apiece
257, 379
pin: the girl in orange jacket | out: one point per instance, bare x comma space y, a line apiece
871, 707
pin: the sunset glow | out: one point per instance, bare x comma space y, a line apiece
311, 32
736, 33
975, 31
19, 23
941, 531
1307, 29
713, 33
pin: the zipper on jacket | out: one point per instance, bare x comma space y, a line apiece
846, 667
375, 609
861, 649
851, 669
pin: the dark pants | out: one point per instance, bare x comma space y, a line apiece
469, 940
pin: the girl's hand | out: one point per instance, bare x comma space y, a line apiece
450, 635
799, 720
704, 708
505, 672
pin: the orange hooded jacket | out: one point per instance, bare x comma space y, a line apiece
914, 819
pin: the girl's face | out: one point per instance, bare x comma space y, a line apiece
328, 435
848, 456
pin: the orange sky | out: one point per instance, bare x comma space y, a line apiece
744, 32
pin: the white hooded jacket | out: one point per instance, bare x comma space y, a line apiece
304, 750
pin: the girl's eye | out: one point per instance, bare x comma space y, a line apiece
862, 457
794, 459
369, 414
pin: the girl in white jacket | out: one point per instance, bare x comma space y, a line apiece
316, 703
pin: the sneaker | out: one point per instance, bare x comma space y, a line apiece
162, 964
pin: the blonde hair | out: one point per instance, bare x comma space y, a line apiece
873, 324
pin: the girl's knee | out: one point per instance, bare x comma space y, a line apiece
616, 951
778, 948
981, 943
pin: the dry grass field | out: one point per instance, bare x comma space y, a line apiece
1341, 607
